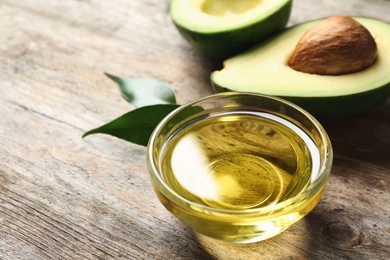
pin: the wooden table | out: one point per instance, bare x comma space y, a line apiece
63, 197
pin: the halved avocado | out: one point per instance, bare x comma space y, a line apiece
222, 28
264, 69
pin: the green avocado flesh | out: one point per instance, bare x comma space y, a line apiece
222, 28
264, 69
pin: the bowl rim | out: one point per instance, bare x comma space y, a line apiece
314, 187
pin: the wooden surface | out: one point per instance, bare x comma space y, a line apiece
62, 197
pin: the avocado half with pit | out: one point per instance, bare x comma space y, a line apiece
265, 69
222, 28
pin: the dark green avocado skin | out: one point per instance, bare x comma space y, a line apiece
222, 45
337, 106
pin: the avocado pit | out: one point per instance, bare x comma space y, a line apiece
335, 46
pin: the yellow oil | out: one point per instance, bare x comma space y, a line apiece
237, 161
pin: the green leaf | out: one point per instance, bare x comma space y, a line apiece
137, 125
144, 91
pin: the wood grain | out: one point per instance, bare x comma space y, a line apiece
62, 197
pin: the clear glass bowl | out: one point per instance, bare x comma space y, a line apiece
239, 167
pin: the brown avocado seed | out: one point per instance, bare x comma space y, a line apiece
334, 46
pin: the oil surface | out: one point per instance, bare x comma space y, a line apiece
237, 161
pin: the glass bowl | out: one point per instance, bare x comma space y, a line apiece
239, 167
